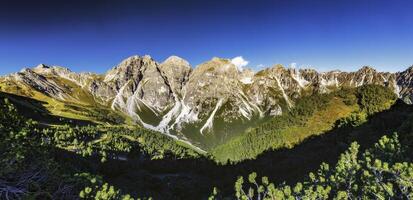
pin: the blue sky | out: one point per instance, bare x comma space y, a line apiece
96, 35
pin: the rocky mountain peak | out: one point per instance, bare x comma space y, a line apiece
278, 67
52, 70
173, 96
42, 66
276, 70
246, 76
130, 68
141, 88
211, 85
409, 70
26, 70
405, 80
210, 73
217, 59
367, 69
28, 77
217, 66
176, 71
175, 60
134, 60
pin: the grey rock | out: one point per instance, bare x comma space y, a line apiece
171, 95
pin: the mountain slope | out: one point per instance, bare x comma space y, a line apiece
311, 116
206, 106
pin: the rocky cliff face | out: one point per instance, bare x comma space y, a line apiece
142, 89
177, 100
403, 86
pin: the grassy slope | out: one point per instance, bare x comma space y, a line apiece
312, 115
234, 147
288, 136
80, 106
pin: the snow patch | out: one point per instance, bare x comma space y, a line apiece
396, 89
351, 81
163, 125
201, 84
148, 106
362, 81
252, 104
119, 98
329, 82
109, 77
283, 92
162, 90
209, 123
186, 115
384, 79
245, 113
300, 80
247, 80
276, 111
167, 118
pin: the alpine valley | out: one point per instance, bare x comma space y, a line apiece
168, 130
204, 106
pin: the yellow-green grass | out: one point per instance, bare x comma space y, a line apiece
80, 105
189, 146
319, 123
242, 148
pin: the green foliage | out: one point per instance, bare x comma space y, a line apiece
21, 175
97, 113
14, 138
286, 130
97, 189
311, 115
22, 140
109, 141
258, 190
379, 173
370, 98
382, 172
375, 98
214, 194
353, 120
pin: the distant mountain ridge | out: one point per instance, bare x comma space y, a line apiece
212, 100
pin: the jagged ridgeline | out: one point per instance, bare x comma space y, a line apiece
205, 106
126, 121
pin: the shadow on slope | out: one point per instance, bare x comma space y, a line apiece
195, 178
35, 109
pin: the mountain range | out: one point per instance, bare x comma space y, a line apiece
203, 106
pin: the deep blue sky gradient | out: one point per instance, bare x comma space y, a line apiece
95, 35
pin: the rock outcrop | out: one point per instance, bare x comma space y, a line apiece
177, 100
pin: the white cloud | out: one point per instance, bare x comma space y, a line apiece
239, 62
293, 65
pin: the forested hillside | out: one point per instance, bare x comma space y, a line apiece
213, 106
312, 115
383, 171
36, 161
206, 100
63, 159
